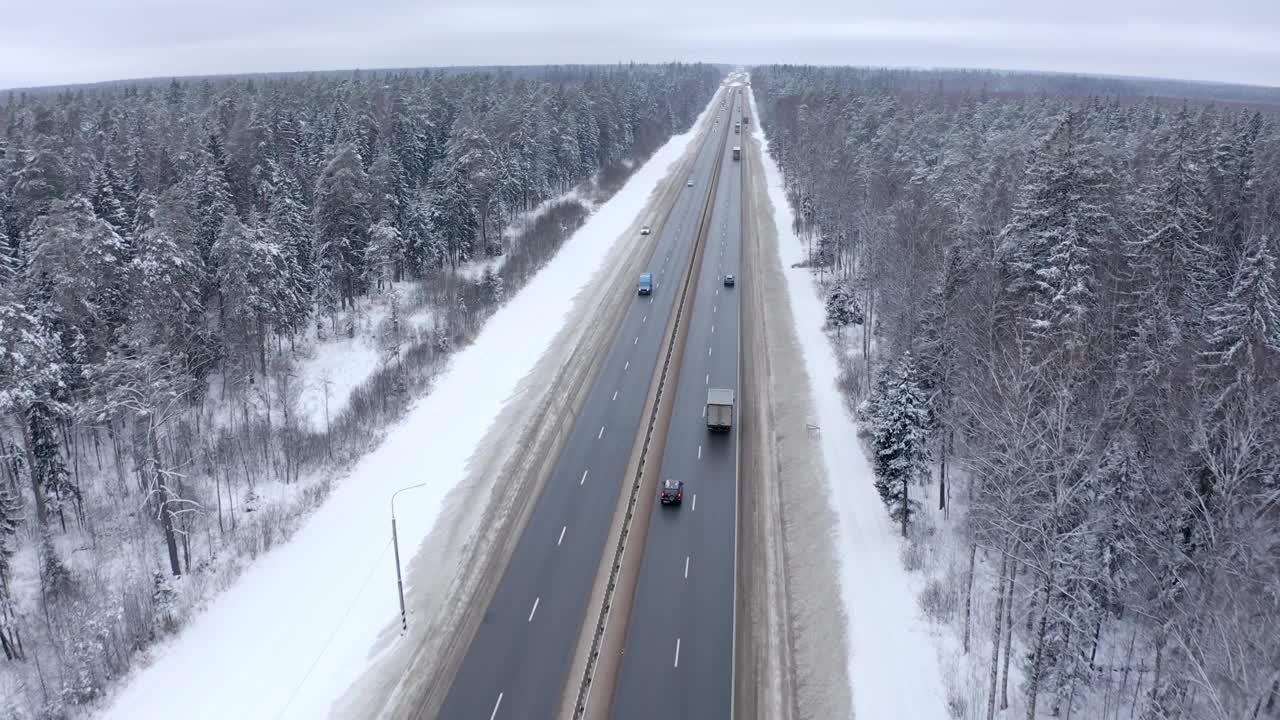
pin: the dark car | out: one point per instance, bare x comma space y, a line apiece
729, 281
672, 492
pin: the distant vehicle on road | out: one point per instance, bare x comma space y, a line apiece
672, 492
737, 126
689, 184
729, 281
737, 153
644, 230
646, 284
719, 409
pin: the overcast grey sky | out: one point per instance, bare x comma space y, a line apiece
67, 41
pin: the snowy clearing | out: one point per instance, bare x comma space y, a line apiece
893, 663
297, 628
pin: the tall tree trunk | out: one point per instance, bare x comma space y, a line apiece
942, 476
968, 593
1037, 663
1008, 637
906, 502
995, 636
162, 502
21, 412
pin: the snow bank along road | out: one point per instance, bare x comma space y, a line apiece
517, 663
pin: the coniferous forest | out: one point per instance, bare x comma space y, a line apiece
1059, 307
166, 250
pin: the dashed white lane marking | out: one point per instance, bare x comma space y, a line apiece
686, 567
704, 411
627, 366
714, 308
695, 503
601, 433
615, 394
713, 329
699, 452
708, 381
584, 472
644, 319
534, 610
566, 527
496, 705
677, 662
636, 341
708, 352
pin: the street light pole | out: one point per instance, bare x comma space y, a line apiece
395, 542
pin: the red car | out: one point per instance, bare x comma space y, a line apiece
672, 492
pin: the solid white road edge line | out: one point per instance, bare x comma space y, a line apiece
496, 705
675, 664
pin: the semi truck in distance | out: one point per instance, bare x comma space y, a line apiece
646, 284
719, 409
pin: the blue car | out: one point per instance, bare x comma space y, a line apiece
646, 284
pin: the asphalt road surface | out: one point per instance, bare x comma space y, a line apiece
516, 664
678, 661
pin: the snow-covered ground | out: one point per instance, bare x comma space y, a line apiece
893, 657
298, 627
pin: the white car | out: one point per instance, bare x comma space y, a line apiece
644, 230
690, 183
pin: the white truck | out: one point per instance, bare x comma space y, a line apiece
719, 409
737, 152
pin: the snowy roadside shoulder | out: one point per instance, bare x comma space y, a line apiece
893, 664
296, 630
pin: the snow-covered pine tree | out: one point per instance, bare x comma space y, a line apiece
388, 190
288, 230
167, 310
342, 222
1243, 353
1049, 246
10, 520
842, 306
384, 257
107, 204
454, 221
1170, 251
83, 264
211, 191
164, 599
253, 285
42, 178
901, 425
56, 580
492, 284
